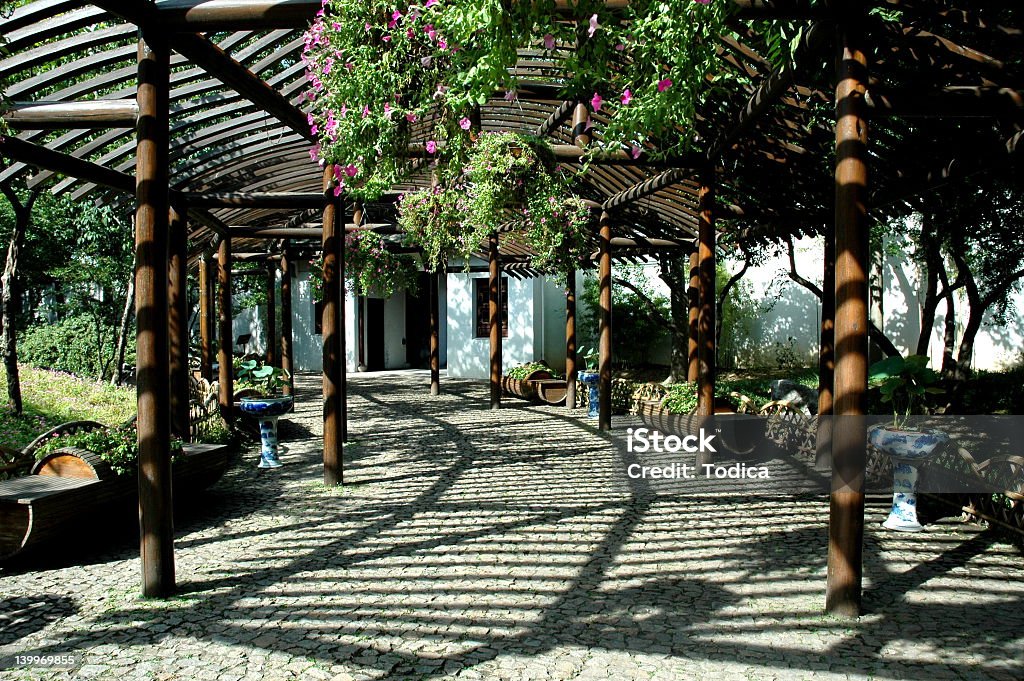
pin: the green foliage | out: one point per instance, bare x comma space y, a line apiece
118, 447
509, 182
214, 431
378, 76
78, 345
636, 327
248, 290
904, 383
681, 398
522, 371
254, 375
371, 267
589, 357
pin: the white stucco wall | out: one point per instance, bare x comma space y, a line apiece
468, 357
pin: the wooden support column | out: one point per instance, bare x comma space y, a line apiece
206, 317
435, 332
604, 418
494, 310
570, 339
272, 316
342, 321
225, 375
286, 319
706, 285
152, 215
332, 330
846, 506
826, 353
178, 322
693, 293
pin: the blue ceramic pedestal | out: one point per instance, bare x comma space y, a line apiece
907, 449
590, 379
267, 410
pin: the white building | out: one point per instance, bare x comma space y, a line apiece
782, 330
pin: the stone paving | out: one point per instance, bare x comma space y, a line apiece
471, 544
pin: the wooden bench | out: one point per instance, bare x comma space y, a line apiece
70, 487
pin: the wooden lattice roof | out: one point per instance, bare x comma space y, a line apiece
945, 92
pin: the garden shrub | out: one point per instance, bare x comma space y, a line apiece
71, 346
118, 447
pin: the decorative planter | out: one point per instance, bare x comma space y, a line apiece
267, 410
590, 379
538, 385
906, 448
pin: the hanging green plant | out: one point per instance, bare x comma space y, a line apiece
510, 182
370, 267
316, 278
383, 74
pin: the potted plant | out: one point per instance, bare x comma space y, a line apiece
904, 383
588, 376
265, 381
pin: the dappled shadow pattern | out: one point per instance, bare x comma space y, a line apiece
510, 545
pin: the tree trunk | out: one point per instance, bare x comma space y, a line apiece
10, 300
933, 262
724, 294
674, 271
117, 376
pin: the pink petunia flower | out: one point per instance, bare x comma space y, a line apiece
366, 110
430, 3
634, 151
593, 26
464, 123
549, 41
431, 147
351, 170
411, 117
627, 97
664, 84
596, 101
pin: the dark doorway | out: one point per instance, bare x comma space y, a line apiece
374, 334
417, 323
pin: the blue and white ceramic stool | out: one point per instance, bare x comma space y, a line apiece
590, 379
908, 449
267, 410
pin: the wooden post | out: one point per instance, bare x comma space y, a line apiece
826, 353
286, 319
152, 215
332, 330
342, 347
206, 317
435, 332
225, 375
494, 310
604, 418
570, 339
580, 116
849, 447
271, 316
706, 285
178, 322
693, 293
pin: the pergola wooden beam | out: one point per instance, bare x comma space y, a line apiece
951, 102
296, 200
239, 15
557, 117
120, 113
774, 86
66, 164
214, 60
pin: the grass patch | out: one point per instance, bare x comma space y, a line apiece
52, 398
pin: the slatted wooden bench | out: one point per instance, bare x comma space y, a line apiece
69, 487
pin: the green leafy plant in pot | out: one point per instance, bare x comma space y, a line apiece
905, 383
266, 380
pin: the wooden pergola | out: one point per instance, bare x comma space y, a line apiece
194, 107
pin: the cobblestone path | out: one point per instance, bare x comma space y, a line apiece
474, 544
